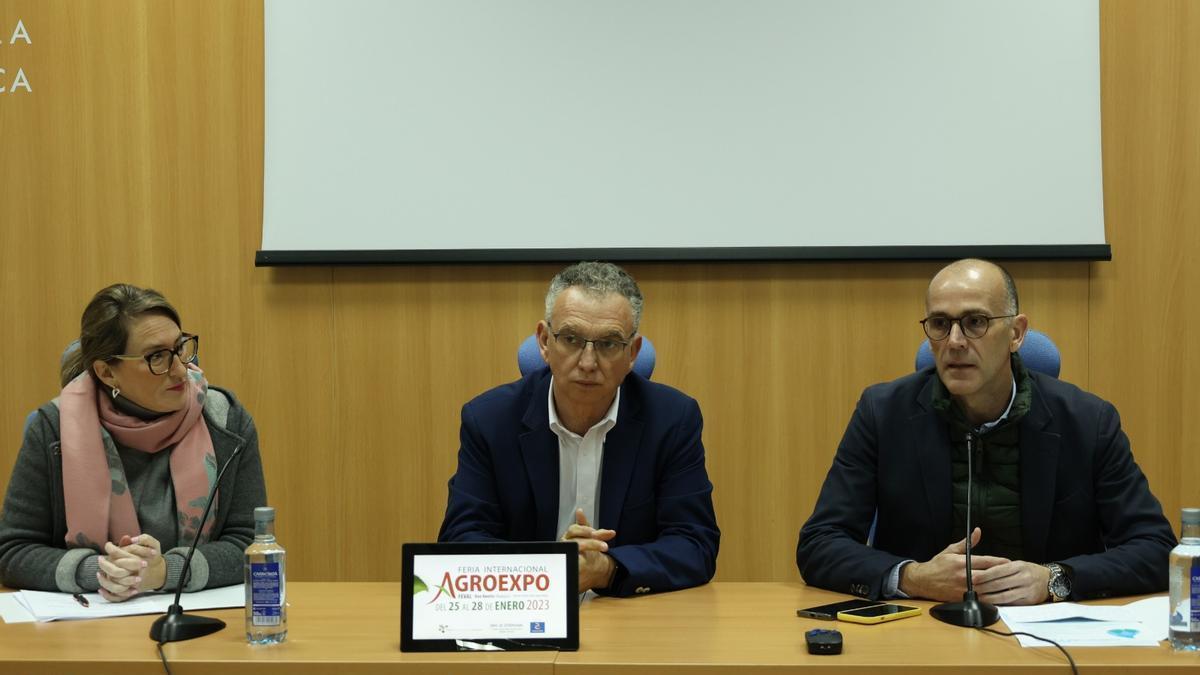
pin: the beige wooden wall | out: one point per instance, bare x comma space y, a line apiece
138, 157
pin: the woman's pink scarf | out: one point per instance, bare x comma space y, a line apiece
99, 506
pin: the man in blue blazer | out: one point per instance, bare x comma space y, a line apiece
1059, 508
590, 452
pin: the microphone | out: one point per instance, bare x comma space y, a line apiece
970, 613
175, 626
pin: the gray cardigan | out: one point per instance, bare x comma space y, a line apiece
33, 526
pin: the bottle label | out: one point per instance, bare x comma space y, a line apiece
1193, 592
266, 594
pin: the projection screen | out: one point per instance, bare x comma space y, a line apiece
521, 130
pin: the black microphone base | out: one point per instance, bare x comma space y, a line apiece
175, 626
970, 613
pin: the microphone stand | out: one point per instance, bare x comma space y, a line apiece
970, 613
175, 626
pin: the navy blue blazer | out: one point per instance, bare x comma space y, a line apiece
654, 488
1084, 501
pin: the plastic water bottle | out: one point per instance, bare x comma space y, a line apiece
1185, 585
266, 583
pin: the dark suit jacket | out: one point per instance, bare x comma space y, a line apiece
1084, 501
654, 488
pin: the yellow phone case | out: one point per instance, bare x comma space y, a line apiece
852, 617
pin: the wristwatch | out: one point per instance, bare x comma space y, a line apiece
1059, 585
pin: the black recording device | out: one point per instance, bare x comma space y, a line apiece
823, 642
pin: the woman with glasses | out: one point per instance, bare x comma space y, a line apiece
113, 476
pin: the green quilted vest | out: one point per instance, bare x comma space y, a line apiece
996, 491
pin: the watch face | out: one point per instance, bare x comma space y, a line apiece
1060, 585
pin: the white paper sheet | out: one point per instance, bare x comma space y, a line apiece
12, 611
63, 606
1137, 624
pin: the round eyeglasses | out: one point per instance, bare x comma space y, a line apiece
974, 325
187, 349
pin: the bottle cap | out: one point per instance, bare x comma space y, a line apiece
1191, 516
263, 514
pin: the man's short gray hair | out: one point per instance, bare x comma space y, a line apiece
597, 279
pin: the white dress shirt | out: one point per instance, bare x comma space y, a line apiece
580, 459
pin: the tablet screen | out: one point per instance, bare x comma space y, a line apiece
518, 595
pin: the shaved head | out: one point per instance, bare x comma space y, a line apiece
980, 270
976, 368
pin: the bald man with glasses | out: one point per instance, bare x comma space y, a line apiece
1059, 508
589, 451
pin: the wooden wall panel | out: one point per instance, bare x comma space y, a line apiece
412, 345
139, 158
1143, 320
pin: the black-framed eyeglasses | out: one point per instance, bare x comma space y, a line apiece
187, 349
974, 325
605, 348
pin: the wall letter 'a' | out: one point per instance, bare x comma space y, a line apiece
20, 32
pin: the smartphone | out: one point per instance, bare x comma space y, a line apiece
878, 613
830, 612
